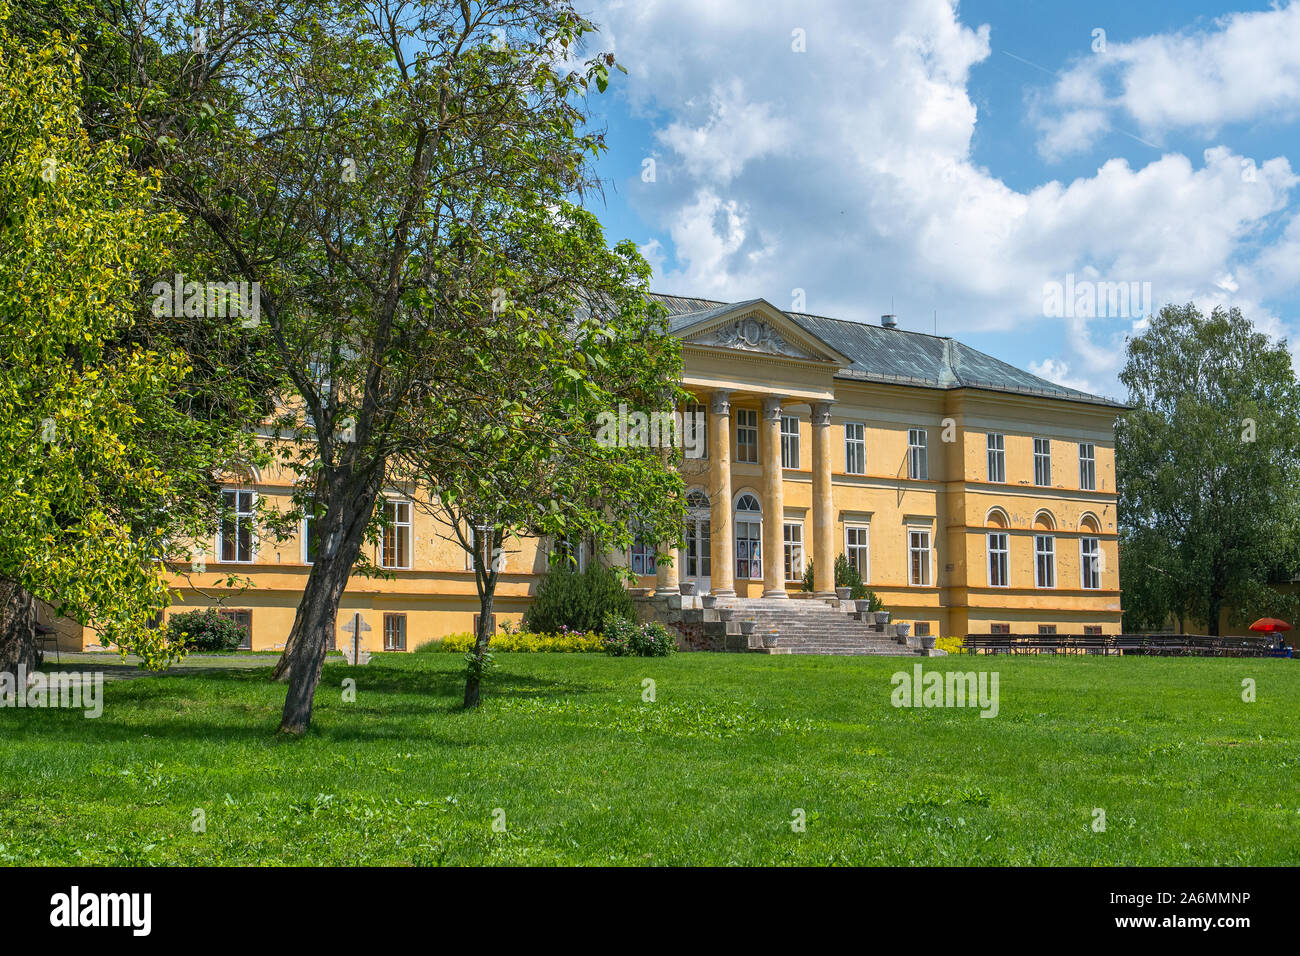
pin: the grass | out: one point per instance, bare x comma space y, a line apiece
578, 769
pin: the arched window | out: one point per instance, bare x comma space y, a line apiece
997, 518
699, 543
696, 498
749, 537
1089, 523
1043, 521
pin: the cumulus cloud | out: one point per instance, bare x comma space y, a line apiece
846, 171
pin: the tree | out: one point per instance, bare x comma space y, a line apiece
103, 462
369, 167
1207, 466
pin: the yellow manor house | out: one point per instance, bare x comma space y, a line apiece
971, 496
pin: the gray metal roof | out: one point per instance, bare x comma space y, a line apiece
896, 356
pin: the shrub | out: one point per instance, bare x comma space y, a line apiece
846, 576
569, 600
626, 639
522, 642
204, 631
950, 644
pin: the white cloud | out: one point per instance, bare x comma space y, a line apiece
1245, 67
1058, 371
846, 171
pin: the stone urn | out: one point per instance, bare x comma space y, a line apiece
687, 587
843, 593
882, 617
770, 639
726, 613
708, 600
863, 606
927, 641
901, 629
747, 627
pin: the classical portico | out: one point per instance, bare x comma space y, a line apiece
751, 359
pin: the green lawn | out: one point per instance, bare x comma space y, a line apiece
582, 771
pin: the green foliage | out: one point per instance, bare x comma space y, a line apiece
522, 642
846, 576
625, 638
204, 630
1208, 470
567, 599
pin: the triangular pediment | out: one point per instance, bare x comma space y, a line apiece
757, 326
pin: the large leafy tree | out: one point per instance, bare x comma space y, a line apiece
105, 458
370, 166
1208, 469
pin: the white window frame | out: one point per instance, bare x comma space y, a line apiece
404, 561
1090, 561
396, 617
863, 547
1043, 463
789, 441
1087, 466
754, 559
997, 457
918, 454
913, 550
855, 448
792, 551
306, 538
560, 546
1003, 554
238, 517
646, 555
747, 424
1040, 553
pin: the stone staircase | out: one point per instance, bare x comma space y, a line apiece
791, 626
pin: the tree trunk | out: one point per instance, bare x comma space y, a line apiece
18, 647
345, 522
486, 574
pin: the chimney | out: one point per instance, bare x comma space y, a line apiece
889, 321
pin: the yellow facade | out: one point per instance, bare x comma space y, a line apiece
921, 534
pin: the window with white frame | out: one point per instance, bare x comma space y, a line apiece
857, 549
794, 550
749, 538
855, 448
310, 537
999, 560
485, 541
918, 553
237, 532
570, 553
1087, 466
396, 551
1042, 461
695, 431
747, 435
789, 441
698, 537
1090, 562
1044, 561
394, 632
918, 462
642, 557
997, 445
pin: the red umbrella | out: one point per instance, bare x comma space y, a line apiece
1270, 625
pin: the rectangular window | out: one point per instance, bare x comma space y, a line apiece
1092, 630
789, 441
793, 551
855, 448
918, 462
747, 435
310, 538
1044, 561
695, 431
236, 534
1090, 562
492, 623
921, 628
485, 538
999, 555
568, 552
1046, 630
749, 549
244, 619
1042, 461
397, 534
394, 632
1087, 466
857, 549
643, 558
997, 457
999, 628
918, 547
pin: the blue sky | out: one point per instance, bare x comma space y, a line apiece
958, 159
